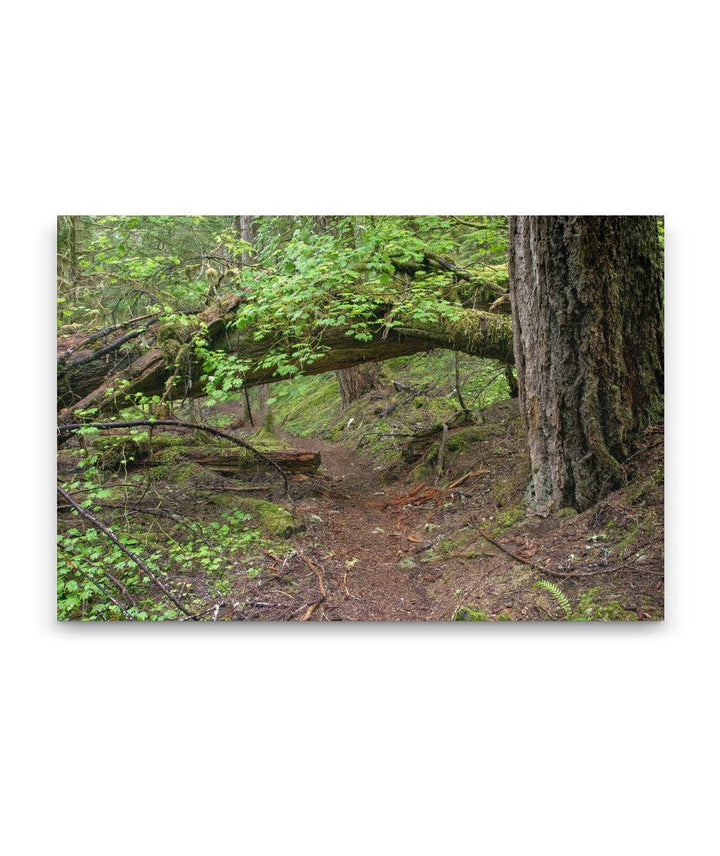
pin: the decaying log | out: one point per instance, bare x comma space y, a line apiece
229, 463
481, 334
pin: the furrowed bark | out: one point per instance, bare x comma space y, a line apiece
355, 381
588, 332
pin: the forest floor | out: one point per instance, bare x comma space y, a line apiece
403, 551
378, 539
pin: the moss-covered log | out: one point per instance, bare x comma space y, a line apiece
480, 334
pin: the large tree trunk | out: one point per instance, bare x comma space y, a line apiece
588, 335
355, 381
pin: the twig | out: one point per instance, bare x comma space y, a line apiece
508, 552
316, 571
547, 612
321, 585
491, 381
313, 606
624, 567
461, 402
138, 561
472, 474
228, 489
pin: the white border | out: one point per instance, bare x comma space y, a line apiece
359, 739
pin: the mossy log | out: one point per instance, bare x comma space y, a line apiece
234, 462
470, 331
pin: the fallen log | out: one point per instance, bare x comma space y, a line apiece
473, 332
230, 463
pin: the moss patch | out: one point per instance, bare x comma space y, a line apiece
508, 518
458, 542
271, 519
468, 613
592, 608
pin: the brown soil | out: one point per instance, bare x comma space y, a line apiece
383, 556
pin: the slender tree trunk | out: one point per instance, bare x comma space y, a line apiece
245, 227
588, 335
355, 381
512, 382
68, 265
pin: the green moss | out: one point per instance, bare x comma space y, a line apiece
648, 491
406, 564
566, 512
468, 613
591, 608
271, 519
461, 440
174, 472
266, 439
308, 405
422, 472
459, 541
506, 519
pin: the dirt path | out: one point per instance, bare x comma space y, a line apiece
381, 557
363, 548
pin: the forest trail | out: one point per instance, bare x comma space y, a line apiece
362, 547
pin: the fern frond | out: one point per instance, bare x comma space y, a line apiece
557, 594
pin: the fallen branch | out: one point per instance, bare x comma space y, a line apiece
172, 423
321, 585
618, 569
136, 559
108, 349
472, 474
317, 572
313, 606
508, 552
151, 319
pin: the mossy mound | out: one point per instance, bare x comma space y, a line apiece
272, 520
507, 518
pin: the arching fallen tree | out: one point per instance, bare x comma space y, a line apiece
159, 371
